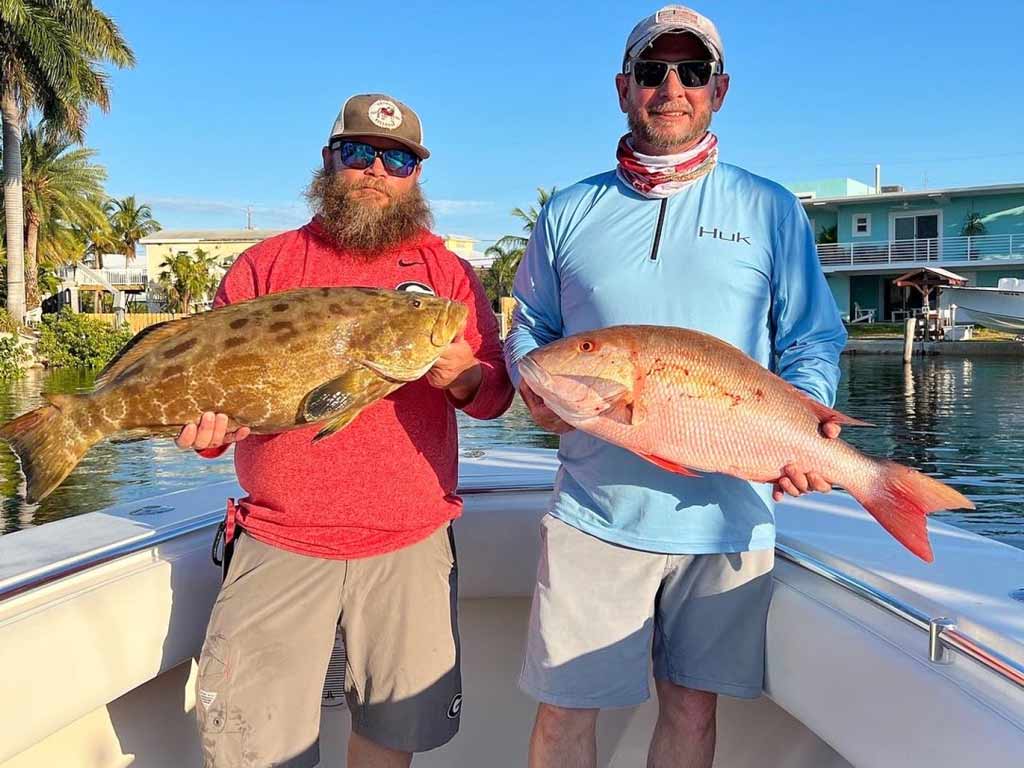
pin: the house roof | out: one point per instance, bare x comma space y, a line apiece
209, 236
939, 276
920, 194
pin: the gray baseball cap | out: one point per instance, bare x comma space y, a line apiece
377, 114
674, 18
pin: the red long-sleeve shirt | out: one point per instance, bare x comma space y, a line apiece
388, 479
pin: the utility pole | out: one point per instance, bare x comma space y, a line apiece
248, 217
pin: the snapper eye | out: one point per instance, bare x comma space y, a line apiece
587, 346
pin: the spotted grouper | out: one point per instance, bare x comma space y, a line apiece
275, 363
690, 402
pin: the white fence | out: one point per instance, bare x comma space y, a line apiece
934, 251
118, 276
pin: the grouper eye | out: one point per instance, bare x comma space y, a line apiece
417, 303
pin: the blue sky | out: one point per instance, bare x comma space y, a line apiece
231, 101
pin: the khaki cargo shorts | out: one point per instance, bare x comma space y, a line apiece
602, 611
272, 632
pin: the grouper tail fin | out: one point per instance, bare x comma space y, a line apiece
50, 441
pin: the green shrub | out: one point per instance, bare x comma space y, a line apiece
7, 324
77, 341
11, 356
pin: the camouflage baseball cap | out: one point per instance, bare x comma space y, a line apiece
674, 18
377, 114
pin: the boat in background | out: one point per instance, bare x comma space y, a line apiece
1000, 308
873, 659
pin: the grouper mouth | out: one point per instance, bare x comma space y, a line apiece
449, 322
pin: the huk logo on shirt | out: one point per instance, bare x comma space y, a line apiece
735, 237
414, 287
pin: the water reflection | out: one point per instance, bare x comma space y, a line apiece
113, 471
957, 419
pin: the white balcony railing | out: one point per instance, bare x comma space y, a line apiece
116, 276
934, 251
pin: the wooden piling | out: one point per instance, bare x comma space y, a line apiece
908, 339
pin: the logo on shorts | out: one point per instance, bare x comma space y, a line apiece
207, 697
455, 707
385, 114
413, 287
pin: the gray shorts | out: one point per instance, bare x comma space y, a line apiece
270, 638
600, 611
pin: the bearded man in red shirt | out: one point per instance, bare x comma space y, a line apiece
353, 531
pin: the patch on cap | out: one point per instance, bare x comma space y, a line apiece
676, 15
385, 114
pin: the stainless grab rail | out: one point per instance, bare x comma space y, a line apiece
942, 632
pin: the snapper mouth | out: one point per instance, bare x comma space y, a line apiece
572, 396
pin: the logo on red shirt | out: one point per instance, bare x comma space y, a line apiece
414, 287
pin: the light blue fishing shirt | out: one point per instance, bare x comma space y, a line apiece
732, 255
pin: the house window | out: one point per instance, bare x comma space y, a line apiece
862, 225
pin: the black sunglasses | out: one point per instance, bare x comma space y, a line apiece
651, 73
359, 156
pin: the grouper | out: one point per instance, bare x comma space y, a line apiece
274, 363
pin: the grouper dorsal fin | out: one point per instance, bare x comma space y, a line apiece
340, 400
139, 347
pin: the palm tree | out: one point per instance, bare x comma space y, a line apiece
974, 224
51, 52
62, 190
529, 218
499, 276
129, 223
828, 235
188, 277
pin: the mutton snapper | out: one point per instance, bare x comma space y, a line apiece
274, 363
688, 402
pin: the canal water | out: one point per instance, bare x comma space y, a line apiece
958, 419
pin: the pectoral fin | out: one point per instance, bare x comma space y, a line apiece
627, 412
340, 400
637, 413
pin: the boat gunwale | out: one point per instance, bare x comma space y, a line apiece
947, 636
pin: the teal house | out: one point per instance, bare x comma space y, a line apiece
868, 235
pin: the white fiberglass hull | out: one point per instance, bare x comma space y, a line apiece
1001, 310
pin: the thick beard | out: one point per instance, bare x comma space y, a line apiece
361, 227
642, 128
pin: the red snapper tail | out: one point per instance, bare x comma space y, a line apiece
900, 498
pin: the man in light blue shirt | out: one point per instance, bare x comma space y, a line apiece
633, 556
